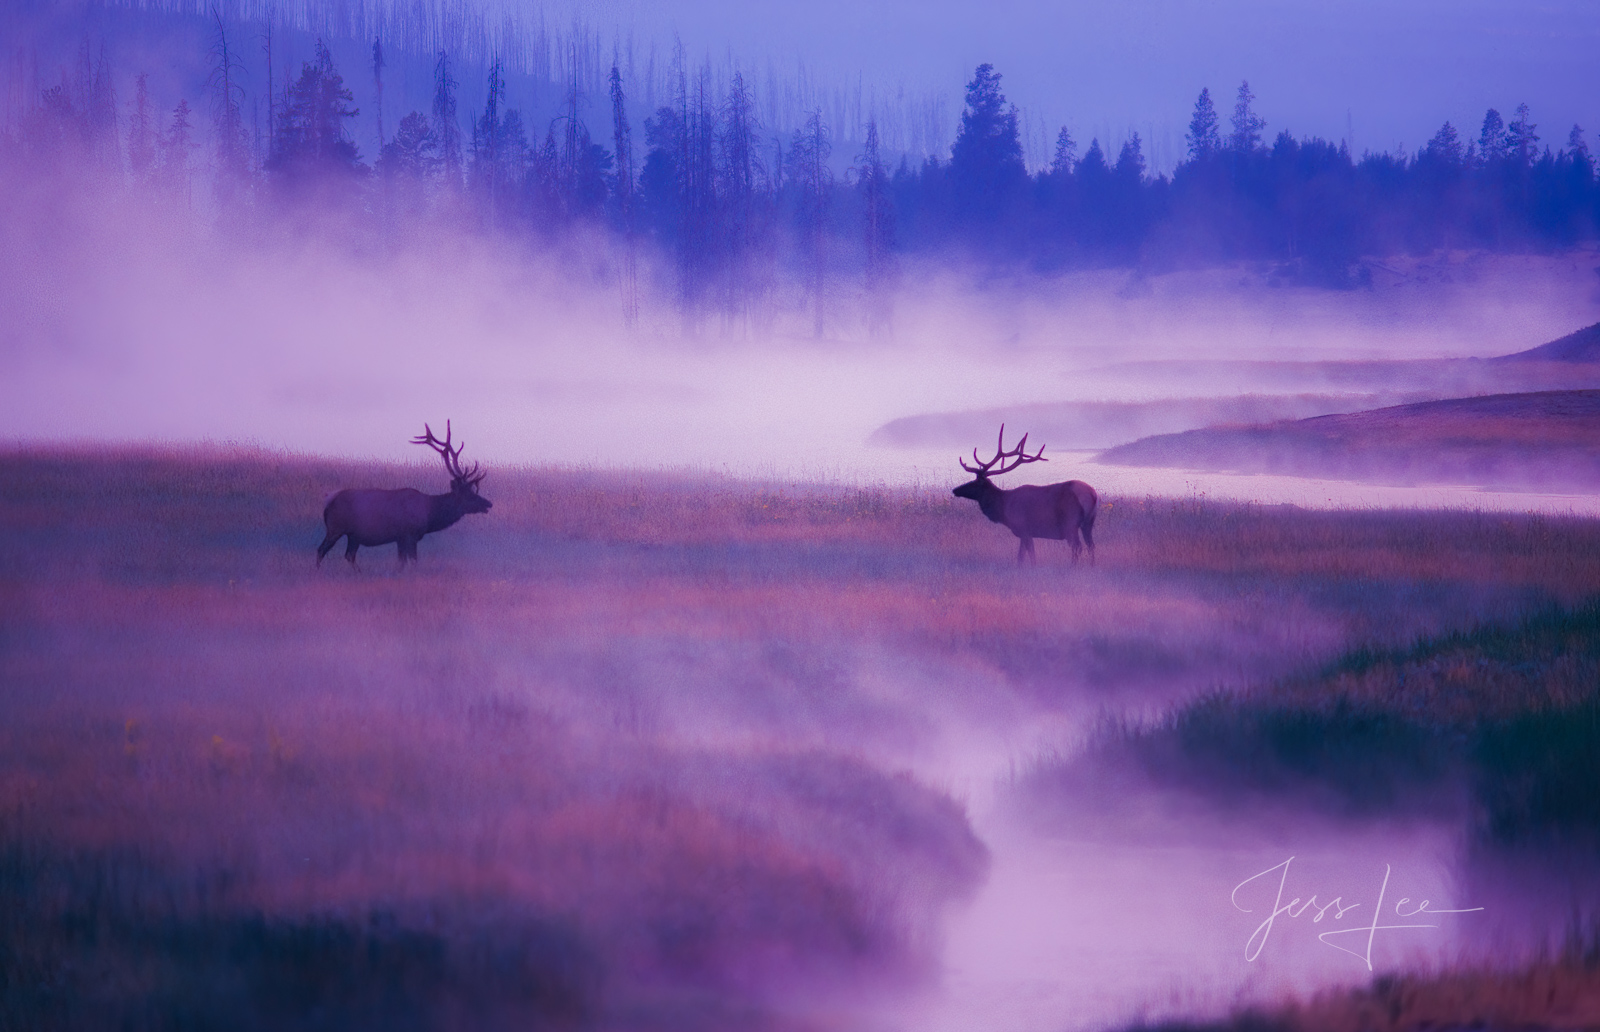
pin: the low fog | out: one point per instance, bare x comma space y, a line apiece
135, 322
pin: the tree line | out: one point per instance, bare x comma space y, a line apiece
744, 221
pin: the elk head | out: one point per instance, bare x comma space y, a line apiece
978, 487
463, 483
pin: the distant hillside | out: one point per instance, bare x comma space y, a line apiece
1583, 346
1544, 440
1082, 425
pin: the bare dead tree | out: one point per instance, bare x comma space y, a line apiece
377, 85
226, 110
808, 161
1058, 512
621, 138
877, 229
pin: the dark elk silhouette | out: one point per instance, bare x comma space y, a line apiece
373, 516
1055, 511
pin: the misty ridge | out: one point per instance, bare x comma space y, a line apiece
738, 200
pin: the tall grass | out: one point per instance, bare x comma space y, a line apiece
1504, 719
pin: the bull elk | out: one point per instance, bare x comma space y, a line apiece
373, 516
1054, 511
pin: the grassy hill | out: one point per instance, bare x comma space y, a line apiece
1215, 392
1580, 347
1546, 439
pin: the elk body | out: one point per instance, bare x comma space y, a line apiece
1059, 512
373, 516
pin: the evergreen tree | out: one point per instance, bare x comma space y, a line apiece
986, 168
1575, 144
176, 143
412, 152
1492, 139
1247, 126
313, 140
1066, 154
56, 131
1094, 164
1203, 136
141, 135
1522, 143
659, 200
1130, 161
1445, 147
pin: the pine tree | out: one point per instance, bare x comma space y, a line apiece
1130, 161
1247, 126
1492, 138
412, 151
176, 143
1094, 161
660, 198
1522, 143
986, 168
312, 137
1203, 136
141, 136
1445, 147
1066, 154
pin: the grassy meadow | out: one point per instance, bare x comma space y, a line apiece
671, 750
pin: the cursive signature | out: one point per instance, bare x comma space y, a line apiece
1337, 907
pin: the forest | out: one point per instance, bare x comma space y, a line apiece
726, 214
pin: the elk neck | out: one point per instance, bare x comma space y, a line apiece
444, 510
990, 498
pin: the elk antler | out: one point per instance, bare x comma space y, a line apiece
451, 456
1020, 453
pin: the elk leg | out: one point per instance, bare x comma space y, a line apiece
350, 547
1088, 539
1025, 551
327, 545
407, 549
1077, 549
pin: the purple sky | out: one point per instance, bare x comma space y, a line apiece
1395, 68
